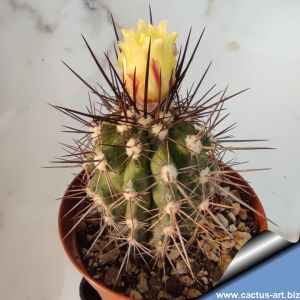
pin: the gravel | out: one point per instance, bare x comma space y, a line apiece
208, 260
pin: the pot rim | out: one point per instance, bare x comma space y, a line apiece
70, 241
72, 238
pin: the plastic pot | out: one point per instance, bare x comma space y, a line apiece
70, 245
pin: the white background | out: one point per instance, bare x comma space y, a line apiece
34, 35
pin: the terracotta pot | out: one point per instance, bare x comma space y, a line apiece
70, 245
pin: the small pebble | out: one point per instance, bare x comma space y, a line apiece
111, 275
136, 295
131, 267
210, 252
205, 280
241, 238
222, 219
142, 284
174, 253
212, 256
236, 208
109, 256
181, 267
202, 273
232, 217
186, 280
242, 227
193, 293
155, 282
224, 261
232, 228
243, 214
228, 244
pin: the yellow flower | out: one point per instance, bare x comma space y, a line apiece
133, 56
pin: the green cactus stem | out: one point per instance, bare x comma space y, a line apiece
153, 176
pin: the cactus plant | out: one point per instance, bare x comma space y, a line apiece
153, 159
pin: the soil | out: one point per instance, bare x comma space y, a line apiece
139, 281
